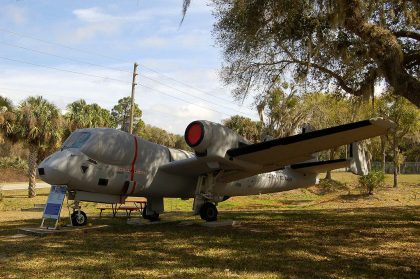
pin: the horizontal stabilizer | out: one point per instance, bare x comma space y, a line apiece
321, 166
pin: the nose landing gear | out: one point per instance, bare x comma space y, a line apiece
78, 218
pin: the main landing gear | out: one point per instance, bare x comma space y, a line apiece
150, 214
208, 212
206, 200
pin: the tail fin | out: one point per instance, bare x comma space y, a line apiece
359, 164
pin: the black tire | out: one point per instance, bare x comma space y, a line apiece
151, 218
78, 219
208, 212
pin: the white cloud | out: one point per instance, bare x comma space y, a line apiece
170, 113
153, 42
98, 20
193, 40
175, 117
96, 14
92, 30
93, 14
15, 14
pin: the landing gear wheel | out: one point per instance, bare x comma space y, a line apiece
78, 219
208, 212
152, 218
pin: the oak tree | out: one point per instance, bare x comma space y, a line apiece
346, 45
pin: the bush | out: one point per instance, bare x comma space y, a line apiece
372, 180
13, 162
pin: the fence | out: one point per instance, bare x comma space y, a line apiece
406, 168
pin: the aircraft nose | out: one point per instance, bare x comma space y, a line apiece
54, 168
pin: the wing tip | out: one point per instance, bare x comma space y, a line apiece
382, 122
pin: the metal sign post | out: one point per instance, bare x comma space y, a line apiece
54, 204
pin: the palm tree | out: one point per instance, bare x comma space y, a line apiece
39, 125
76, 115
5, 104
7, 118
82, 115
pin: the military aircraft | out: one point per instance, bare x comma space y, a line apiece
108, 165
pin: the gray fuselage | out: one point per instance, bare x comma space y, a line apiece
111, 162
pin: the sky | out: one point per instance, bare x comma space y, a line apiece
68, 50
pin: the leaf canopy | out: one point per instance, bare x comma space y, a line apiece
344, 45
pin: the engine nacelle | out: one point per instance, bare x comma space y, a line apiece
211, 139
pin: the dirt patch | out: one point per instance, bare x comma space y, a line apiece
12, 175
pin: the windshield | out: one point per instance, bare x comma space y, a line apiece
76, 140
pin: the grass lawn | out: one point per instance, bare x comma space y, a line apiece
304, 233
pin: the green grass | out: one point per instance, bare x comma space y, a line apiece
295, 234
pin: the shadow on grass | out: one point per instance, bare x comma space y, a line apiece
295, 202
22, 196
379, 242
355, 197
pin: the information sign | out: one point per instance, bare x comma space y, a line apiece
54, 203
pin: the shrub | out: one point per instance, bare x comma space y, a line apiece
372, 180
13, 162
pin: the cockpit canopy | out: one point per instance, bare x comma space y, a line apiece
104, 144
76, 140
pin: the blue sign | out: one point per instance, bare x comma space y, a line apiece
55, 201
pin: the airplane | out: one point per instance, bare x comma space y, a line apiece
106, 165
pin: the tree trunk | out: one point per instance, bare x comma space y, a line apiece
33, 157
383, 142
328, 175
332, 155
395, 147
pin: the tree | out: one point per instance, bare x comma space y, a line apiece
284, 110
39, 124
407, 122
121, 114
244, 126
349, 45
5, 104
6, 117
162, 137
82, 115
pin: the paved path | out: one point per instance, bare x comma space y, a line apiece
22, 186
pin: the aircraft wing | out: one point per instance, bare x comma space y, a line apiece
275, 154
321, 166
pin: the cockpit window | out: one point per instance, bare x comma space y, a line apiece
76, 140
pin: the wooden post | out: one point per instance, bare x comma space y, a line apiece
133, 89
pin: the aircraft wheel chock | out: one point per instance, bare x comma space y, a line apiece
152, 218
78, 219
208, 212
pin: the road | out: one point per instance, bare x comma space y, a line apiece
21, 186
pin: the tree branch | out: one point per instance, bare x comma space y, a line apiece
384, 49
407, 34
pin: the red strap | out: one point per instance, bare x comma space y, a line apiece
133, 163
134, 159
134, 187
